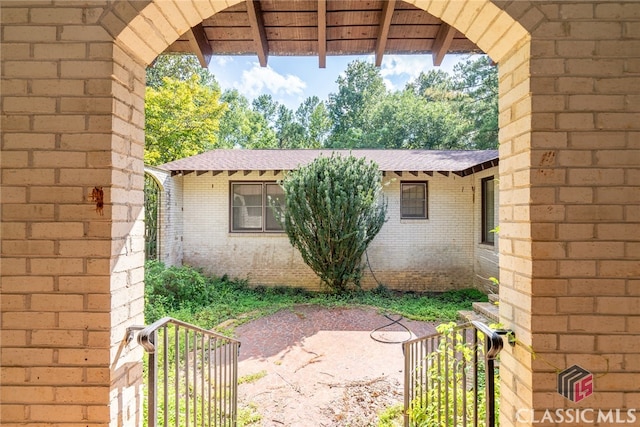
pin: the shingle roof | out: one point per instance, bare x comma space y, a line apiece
458, 162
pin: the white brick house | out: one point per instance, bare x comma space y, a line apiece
442, 205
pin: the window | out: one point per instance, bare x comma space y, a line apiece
488, 210
413, 200
255, 206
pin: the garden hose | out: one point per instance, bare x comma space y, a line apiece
393, 322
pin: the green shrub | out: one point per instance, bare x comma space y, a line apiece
334, 209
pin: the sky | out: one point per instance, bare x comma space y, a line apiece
290, 80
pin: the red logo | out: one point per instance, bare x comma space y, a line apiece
575, 383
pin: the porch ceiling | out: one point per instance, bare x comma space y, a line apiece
322, 28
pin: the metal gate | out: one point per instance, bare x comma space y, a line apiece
451, 377
192, 375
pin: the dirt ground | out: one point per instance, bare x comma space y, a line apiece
321, 367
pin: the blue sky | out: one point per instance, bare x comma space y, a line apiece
290, 80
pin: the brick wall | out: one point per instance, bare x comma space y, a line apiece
435, 254
72, 111
72, 86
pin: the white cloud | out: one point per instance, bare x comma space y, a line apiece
258, 80
391, 87
221, 61
406, 67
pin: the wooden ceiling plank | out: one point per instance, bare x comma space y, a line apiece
258, 32
322, 33
200, 45
385, 23
442, 43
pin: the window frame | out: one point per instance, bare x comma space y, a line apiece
487, 237
425, 185
264, 206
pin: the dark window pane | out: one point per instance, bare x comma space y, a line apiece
247, 207
488, 210
274, 208
413, 203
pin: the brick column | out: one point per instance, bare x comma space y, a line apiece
570, 248
72, 272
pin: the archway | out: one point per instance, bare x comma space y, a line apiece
73, 83
505, 40
152, 203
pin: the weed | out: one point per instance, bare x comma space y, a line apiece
251, 378
187, 294
248, 415
392, 416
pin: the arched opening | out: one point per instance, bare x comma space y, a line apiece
504, 40
152, 203
73, 102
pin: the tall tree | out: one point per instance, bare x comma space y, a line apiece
478, 81
432, 85
265, 105
241, 126
359, 88
182, 119
178, 66
408, 121
313, 116
289, 133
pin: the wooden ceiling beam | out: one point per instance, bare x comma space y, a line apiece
322, 33
200, 45
442, 43
385, 23
258, 32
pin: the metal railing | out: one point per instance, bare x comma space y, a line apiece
192, 375
451, 377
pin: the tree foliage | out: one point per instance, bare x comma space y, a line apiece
437, 110
478, 81
333, 210
182, 119
241, 126
359, 89
178, 66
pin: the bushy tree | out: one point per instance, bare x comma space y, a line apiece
477, 80
241, 126
182, 119
360, 88
333, 210
181, 67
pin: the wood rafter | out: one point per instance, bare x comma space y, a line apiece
385, 24
442, 43
200, 45
322, 33
321, 27
258, 31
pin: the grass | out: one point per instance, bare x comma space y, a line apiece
222, 303
187, 294
251, 378
392, 416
